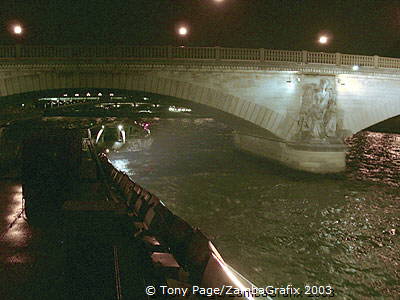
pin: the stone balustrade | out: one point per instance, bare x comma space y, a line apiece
194, 53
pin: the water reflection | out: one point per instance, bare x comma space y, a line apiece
126, 136
16, 232
375, 157
122, 165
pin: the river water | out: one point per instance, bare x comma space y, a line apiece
274, 225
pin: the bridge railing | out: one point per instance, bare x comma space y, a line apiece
194, 53
361, 60
7, 51
283, 56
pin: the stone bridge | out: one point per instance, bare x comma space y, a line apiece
296, 106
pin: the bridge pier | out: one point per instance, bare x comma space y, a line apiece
315, 158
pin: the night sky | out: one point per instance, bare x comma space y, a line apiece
360, 27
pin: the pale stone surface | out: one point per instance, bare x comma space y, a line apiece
315, 160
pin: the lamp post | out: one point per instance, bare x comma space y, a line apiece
182, 33
17, 31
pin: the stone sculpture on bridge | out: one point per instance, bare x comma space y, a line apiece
318, 114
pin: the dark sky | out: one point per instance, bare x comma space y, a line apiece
363, 27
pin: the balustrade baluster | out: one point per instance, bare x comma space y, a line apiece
217, 53
304, 57
338, 59
262, 54
18, 51
376, 61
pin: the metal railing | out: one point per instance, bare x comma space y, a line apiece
193, 53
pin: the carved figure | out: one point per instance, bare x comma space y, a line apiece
318, 119
330, 119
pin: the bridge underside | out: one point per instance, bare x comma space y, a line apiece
391, 125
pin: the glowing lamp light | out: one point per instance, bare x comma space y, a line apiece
183, 31
355, 68
323, 39
76, 95
17, 29
99, 94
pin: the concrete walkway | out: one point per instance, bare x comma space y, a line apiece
74, 259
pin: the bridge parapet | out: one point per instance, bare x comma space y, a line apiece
194, 53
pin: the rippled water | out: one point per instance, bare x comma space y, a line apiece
274, 225
375, 157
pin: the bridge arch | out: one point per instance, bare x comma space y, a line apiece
371, 118
367, 100
152, 82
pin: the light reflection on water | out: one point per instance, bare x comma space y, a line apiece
121, 164
375, 157
18, 234
274, 225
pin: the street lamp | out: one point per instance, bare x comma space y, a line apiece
183, 31
17, 29
323, 39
